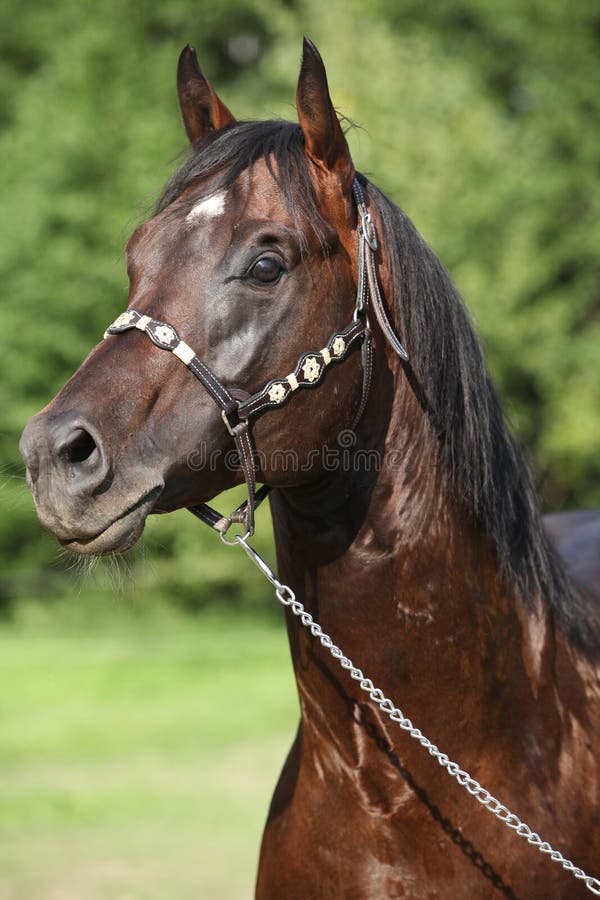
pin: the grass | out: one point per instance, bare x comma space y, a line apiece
138, 754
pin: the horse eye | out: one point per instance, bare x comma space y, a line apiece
267, 270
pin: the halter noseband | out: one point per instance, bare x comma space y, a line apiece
237, 407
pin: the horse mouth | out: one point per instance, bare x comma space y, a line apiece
120, 534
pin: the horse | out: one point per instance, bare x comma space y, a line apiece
405, 517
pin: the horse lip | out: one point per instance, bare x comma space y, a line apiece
148, 498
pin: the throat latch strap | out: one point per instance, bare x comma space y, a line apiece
367, 246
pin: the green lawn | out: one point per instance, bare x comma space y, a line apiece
138, 756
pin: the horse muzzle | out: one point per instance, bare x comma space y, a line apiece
72, 479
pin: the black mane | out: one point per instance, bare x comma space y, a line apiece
481, 462
482, 465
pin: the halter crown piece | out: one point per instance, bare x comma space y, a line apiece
309, 370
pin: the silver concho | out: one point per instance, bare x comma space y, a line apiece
276, 393
339, 345
311, 369
165, 334
124, 319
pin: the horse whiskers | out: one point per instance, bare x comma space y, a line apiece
116, 569
13, 498
17, 467
74, 562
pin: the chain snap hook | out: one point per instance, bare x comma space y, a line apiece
237, 538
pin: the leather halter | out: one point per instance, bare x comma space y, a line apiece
309, 371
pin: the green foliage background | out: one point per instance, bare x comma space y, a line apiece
480, 119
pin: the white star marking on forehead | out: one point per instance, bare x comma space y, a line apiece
207, 208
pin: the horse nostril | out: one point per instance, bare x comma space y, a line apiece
79, 446
80, 453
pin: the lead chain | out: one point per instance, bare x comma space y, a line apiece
287, 597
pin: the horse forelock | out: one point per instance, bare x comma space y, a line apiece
227, 153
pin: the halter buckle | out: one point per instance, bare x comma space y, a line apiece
229, 425
368, 230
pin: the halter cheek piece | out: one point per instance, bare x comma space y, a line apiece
309, 371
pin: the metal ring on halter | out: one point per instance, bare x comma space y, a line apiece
227, 423
237, 539
362, 314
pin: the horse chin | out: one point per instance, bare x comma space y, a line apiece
117, 537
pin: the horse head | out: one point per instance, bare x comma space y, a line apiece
251, 257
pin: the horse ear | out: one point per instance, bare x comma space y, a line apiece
323, 136
201, 109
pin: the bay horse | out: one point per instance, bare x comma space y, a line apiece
405, 517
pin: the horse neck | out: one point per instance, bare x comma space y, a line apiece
400, 578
